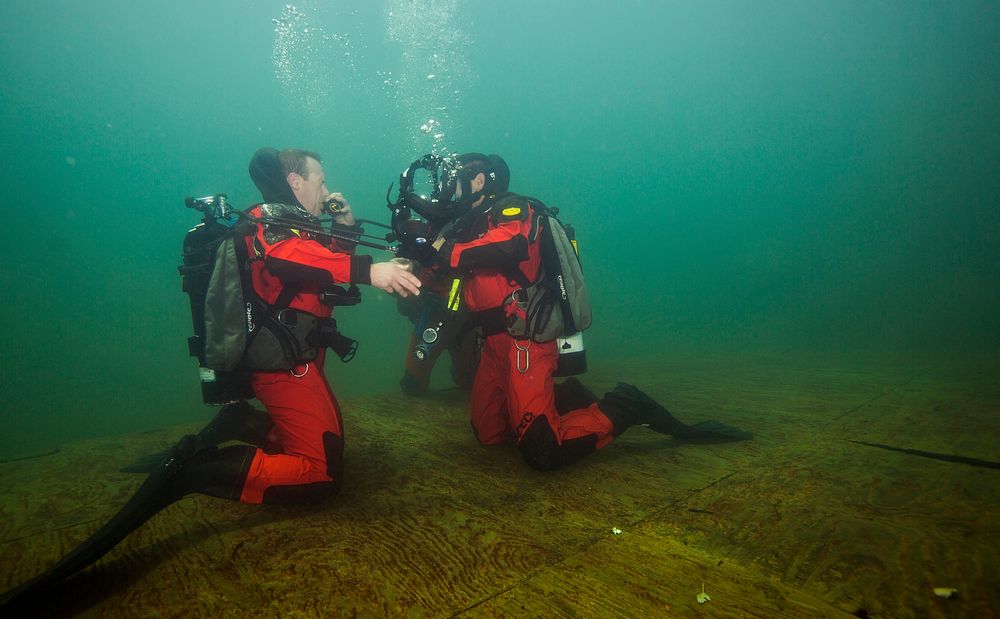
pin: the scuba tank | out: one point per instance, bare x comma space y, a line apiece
198, 256
572, 354
235, 331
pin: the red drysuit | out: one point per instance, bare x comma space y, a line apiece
307, 423
513, 394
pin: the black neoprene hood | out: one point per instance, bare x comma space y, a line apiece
266, 173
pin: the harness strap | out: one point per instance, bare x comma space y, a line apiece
288, 292
541, 214
493, 321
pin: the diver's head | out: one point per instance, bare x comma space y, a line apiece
448, 186
478, 178
290, 176
304, 174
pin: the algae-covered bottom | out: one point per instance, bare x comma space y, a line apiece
799, 522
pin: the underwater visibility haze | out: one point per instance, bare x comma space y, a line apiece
769, 176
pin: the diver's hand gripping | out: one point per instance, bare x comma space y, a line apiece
395, 277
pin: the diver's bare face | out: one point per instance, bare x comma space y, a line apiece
310, 190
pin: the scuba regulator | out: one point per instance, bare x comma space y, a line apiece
433, 318
214, 207
422, 208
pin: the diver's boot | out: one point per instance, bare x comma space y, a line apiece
240, 422
621, 415
234, 422
572, 395
646, 410
649, 412
412, 385
218, 472
621, 418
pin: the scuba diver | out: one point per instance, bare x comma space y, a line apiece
493, 239
441, 320
295, 448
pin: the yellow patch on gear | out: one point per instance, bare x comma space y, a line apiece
510, 211
453, 298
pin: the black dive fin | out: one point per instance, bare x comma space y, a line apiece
158, 491
711, 432
146, 463
649, 412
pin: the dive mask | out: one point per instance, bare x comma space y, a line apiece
428, 187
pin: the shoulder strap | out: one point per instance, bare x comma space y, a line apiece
287, 292
512, 272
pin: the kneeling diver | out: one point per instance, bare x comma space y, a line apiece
295, 449
506, 247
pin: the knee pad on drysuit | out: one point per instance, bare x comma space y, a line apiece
542, 451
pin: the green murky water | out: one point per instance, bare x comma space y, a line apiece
767, 175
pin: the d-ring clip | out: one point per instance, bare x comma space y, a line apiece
522, 367
304, 372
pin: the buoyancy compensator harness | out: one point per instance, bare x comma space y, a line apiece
556, 306
235, 331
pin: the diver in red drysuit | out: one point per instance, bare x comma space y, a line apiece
514, 396
298, 455
297, 445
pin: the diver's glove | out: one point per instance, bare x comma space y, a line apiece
425, 254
